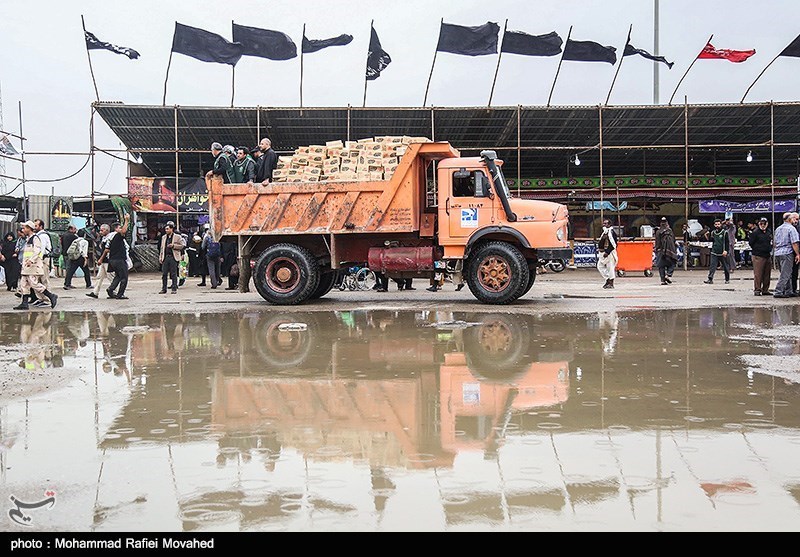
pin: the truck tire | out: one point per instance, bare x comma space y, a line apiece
286, 274
499, 348
531, 278
285, 349
497, 273
327, 277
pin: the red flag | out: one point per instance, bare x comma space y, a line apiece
712, 53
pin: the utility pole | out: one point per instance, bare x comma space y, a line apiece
655, 52
2, 160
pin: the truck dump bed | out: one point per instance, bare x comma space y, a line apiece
326, 207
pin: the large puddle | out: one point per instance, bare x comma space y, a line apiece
404, 421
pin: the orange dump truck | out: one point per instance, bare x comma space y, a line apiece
457, 217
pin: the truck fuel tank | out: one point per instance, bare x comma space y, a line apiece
389, 260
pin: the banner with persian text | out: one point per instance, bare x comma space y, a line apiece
758, 206
157, 195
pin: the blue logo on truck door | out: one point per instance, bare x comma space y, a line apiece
469, 218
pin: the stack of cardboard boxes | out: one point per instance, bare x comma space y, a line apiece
372, 159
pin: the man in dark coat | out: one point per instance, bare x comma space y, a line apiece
223, 166
266, 163
760, 241
666, 251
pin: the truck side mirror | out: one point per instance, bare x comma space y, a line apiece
461, 173
481, 185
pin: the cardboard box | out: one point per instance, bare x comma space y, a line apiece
301, 151
348, 168
300, 160
369, 161
350, 145
346, 176
376, 175
338, 144
334, 153
316, 160
366, 140
317, 150
312, 171
285, 159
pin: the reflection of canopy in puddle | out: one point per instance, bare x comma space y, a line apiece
785, 367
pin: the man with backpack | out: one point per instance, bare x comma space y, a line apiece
213, 252
77, 256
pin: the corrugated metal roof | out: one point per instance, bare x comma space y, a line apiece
533, 141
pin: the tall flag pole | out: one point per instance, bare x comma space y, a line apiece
558, 70
169, 63
497, 69
613, 81
687, 71
89, 56
435, 52
366, 77
301, 65
233, 89
792, 50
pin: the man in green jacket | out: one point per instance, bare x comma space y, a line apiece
244, 167
719, 252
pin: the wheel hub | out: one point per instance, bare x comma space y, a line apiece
283, 274
494, 274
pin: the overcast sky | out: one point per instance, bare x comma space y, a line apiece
44, 63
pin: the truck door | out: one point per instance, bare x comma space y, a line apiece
469, 206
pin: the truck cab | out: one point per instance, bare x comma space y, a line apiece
491, 232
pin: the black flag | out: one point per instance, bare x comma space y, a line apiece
517, 42
469, 41
264, 43
793, 49
588, 51
377, 58
205, 45
93, 43
630, 51
313, 45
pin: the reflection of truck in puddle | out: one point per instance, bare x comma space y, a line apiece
391, 390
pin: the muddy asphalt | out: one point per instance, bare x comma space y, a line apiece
571, 291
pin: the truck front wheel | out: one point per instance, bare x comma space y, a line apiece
286, 274
497, 273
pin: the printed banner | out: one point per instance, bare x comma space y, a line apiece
605, 206
650, 182
759, 206
60, 213
157, 195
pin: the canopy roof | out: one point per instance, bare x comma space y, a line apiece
533, 141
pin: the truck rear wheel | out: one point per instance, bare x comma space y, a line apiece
326, 279
497, 273
286, 274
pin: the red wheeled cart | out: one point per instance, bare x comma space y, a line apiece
635, 256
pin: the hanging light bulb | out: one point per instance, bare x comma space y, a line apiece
749, 156
577, 161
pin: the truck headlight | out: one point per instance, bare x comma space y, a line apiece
560, 234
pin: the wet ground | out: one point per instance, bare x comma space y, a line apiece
390, 419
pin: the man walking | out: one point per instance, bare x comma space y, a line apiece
266, 162
101, 263
760, 241
719, 252
117, 256
607, 254
171, 252
213, 252
33, 269
47, 257
666, 251
796, 266
77, 256
787, 252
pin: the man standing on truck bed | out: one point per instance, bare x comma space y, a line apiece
222, 163
266, 163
